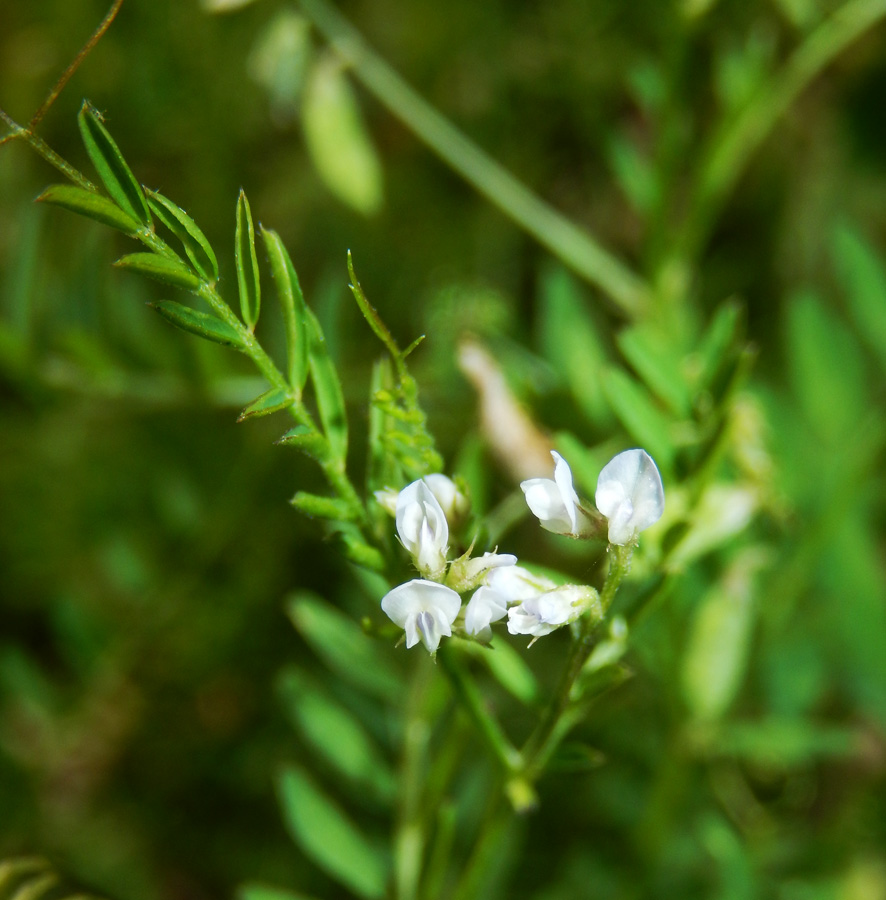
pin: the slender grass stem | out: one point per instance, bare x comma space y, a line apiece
571, 244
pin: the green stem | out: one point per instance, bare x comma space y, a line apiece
19, 132
730, 150
571, 244
556, 722
409, 838
469, 698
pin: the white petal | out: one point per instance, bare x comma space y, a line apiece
630, 494
482, 566
563, 480
543, 497
452, 501
416, 504
485, 606
406, 603
518, 584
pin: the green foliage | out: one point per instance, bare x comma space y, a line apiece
723, 735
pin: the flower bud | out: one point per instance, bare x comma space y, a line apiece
423, 529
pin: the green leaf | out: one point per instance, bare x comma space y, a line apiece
198, 249
337, 139
719, 344
330, 401
269, 402
200, 323
863, 277
247, 263
719, 641
316, 506
651, 355
110, 165
508, 668
307, 440
89, 204
646, 424
572, 343
635, 174
344, 646
328, 837
292, 303
255, 891
826, 368
361, 553
335, 735
161, 268
786, 742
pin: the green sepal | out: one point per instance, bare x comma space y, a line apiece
330, 401
247, 263
361, 553
323, 507
270, 402
199, 250
110, 165
161, 268
200, 323
89, 204
307, 440
292, 303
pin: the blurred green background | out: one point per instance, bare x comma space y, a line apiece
146, 542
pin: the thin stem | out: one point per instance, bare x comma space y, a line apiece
730, 150
59, 86
19, 132
556, 721
410, 837
472, 702
571, 244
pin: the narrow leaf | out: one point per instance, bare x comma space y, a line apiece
508, 668
292, 303
316, 506
199, 251
335, 735
344, 647
161, 268
653, 358
328, 837
307, 440
110, 165
200, 323
863, 278
89, 204
337, 139
719, 344
247, 263
255, 891
719, 643
330, 401
361, 553
270, 402
572, 343
649, 427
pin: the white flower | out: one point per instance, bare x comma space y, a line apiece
486, 606
424, 609
517, 584
630, 495
452, 501
505, 586
555, 502
467, 573
423, 529
543, 613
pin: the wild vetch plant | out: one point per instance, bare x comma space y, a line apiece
466, 676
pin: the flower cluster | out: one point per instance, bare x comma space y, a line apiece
629, 495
